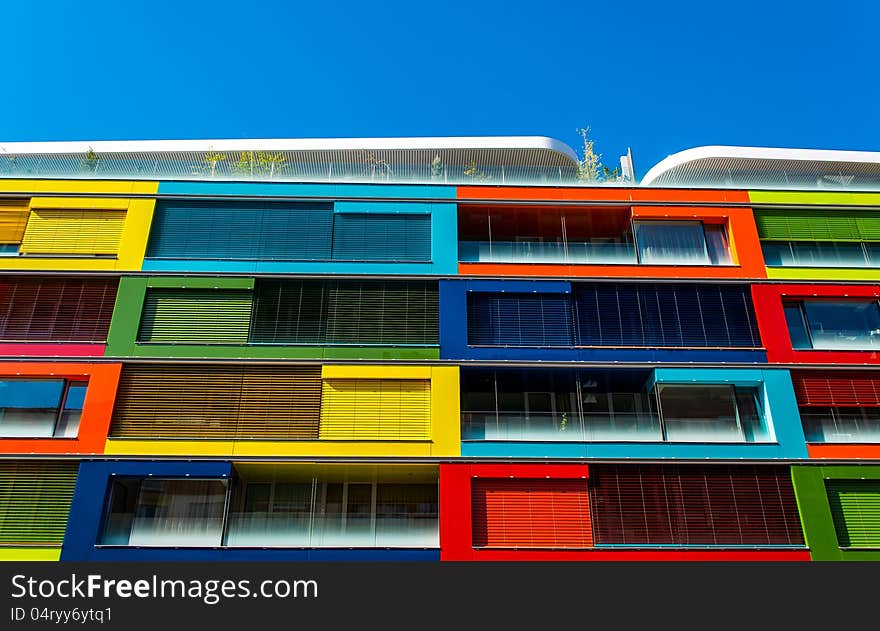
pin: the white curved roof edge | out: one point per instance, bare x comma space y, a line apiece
760, 153
293, 144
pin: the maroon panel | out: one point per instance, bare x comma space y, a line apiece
694, 505
56, 309
828, 388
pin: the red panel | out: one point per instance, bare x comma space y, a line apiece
844, 452
604, 194
554, 471
837, 388
94, 424
774, 331
531, 514
52, 350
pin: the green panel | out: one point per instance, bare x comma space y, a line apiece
779, 224
199, 282
196, 316
197, 351
816, 511
35, 501
818, 198
126, 316
855, 509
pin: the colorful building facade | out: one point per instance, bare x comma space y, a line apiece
437, 349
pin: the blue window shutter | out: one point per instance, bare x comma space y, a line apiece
241, 230
382, 237
519, 320
660, 314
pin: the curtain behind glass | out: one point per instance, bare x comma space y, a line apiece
671, 242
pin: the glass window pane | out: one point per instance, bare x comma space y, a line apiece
717, 245
797, 327
29, 408
68, 423
841, 425
179, 513
751, 419
124, 494
671, 242
272, 515
845, 325
406, 515
700, 413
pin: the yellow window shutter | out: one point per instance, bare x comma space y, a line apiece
376, 409
13, 219
64, 231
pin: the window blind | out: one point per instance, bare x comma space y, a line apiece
56, 309
196, 316
531, 514
666, 315
382, 237
685, 505
837, 388
818, 225
376, 409
218, 401
241, 230
855, 509
35, 501
54, 231
345, 312
510, 319
13, 219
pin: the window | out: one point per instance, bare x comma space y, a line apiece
841, 424
334, 514
44, 408
618, 405
833, 324
819, 254
710, 413
165, 512
681, 243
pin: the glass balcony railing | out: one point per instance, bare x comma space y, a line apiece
531, 252
549, 427
400, 530
821, 254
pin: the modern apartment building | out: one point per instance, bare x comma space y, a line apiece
436, 349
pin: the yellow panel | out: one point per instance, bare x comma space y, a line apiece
79, 186
81, 203
815, 198
13, 218
30, 554
445, 411
135, 231
51, 231
375, 372
376, 409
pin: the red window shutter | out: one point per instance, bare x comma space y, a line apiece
531, 514
837, 388
693, 505
56, 310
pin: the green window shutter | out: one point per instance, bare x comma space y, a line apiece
818, 225
35, 501
855, 509
383, 312
196, 316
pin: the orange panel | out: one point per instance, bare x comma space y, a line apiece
531, 514
97, 408
845, 452
607, 194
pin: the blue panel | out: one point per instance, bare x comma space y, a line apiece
92, 487
257, 554
381, 237
261, 189
779, 408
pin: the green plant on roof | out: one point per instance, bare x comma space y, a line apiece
590, 167
259, 163
436, 168
208, 165
89, 163
472, 171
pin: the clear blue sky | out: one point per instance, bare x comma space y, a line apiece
657, 76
